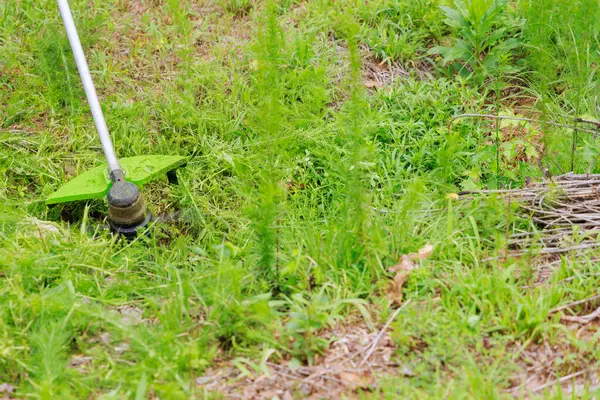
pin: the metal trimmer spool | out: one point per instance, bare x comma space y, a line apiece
127, 209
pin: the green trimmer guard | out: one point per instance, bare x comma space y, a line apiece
96, 183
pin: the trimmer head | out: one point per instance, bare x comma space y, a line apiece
127, 210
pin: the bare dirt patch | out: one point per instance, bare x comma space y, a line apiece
546, 367
343, 370
567, 365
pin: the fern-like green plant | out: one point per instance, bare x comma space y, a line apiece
356, 163
267, 194
485, 39
309, 314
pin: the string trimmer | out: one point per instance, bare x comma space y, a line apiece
127, 210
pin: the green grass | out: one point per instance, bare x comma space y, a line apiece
303, 187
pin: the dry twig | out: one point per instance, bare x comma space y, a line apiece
381, 332
574, 303
585, 319
566, 210
560, 380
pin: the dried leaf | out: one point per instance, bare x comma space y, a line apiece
6, 388
355, 380
105, 338
383, 66
130, 315
204, 380
79, 360
121, 348
402, 270
371, 84
294, 364
42, 229
287, 396
405, 264
423, 252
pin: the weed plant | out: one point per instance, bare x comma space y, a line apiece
486, 39
268, 190
400, 30
563, 43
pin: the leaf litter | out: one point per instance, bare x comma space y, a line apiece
546, 367
337, 374
7, 389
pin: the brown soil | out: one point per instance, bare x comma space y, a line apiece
339, 372
545, 367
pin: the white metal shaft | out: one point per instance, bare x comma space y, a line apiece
88, 85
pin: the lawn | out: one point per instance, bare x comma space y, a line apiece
328, 237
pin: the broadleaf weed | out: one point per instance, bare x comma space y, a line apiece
485, 42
